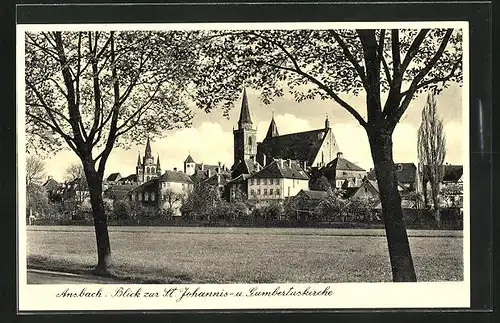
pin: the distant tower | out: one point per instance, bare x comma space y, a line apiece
327, 123
273, 129
158, 167
189, 165
148, 168
245, 143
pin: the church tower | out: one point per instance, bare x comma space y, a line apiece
273, 129
245, 143
148, 169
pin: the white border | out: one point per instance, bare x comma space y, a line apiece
346, 295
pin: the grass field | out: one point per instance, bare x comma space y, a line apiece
245, 255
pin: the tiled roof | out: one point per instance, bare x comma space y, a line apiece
51, 184
405, 173
189, 159
131, 178
240, 179
113, 177
245, 117
451, 173
177, 177
303, 146
218, 179
281, 169
119, 191
340, 163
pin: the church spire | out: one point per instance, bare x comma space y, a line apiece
158, 162
139, 160
327, 123
147, 153
245, 117
273, 129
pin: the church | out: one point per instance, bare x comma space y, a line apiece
314, 148
302, 151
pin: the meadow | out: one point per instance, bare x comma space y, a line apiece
245, 255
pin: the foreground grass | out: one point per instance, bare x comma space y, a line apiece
245, 255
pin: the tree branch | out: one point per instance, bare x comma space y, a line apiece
382, 58
325, 88
393, 118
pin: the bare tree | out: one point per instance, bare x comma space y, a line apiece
35, 170
90, 91
432, 151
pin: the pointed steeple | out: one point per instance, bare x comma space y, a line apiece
147, 153
327, 123
139, 160
245, 117
273, 129
158, 162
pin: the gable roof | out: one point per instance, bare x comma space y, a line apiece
177, 177
405, 173
218, 179
451, 173
113, 177
340, 163
118, 191
281, 169
189, 159
302, 146
247, 166
314, 195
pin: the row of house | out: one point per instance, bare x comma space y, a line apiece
277, 168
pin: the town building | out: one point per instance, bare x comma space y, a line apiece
406, 174
278, 180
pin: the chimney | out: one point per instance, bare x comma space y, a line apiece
220, 164
289, 162
175, 169
304, 165
264, 160
49, 178
339, 155
209, 173
202, 167
281, 162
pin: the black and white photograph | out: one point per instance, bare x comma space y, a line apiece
257, 165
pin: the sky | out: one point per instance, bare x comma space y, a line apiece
210, 139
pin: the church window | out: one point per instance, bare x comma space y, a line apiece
249, 141
270, 191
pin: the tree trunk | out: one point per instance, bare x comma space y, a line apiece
426, 197
435, 199
392, 213
100, 221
